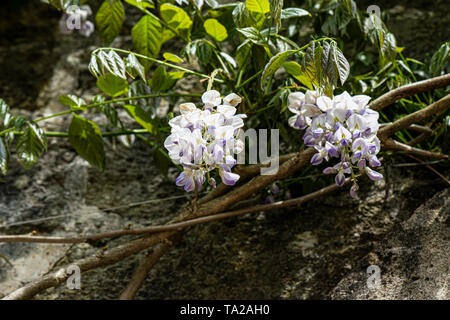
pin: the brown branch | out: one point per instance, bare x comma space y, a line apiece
422, 129
415, 117
142, 270
244, 173
395, 145
106, 258
409, 90
420, 138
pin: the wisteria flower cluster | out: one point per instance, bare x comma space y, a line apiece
344, 128
202, 140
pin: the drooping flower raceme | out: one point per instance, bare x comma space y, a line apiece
202, 140
344, 128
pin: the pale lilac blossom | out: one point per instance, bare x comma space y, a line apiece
202, 140
343, 127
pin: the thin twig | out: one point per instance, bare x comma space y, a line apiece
430, 168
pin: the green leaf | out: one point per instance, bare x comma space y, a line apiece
175, 17
158, 79
215, 29
289, 13
86, 138
147, 37
4, 156
275, 10
112, 85
229, 59
243, 51
112, 62
72, 101
133, 66
388, 48
259, 6
341, 63
172, 57
161, 160
141, 117
109, 19
251, 34
143, 4
5, 114
240, 15
274, 64
296, 70
439, 60
30, 145
94, 67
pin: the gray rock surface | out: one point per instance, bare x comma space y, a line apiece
414, 258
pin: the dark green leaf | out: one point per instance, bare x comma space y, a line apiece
274, 64
141, 117
134, 67
31, 144
109, 19
161, 161
112, 62
112, 85
275, 10
72, 101
86, 139
4, 156
147, 37
158, 79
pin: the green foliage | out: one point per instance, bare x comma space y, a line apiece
216, 30
109, 20
172, 57
261, 49
31, 144
72, 101
141, 117
4, 156
112, 85
440, 60
259, 6
147, 36
86, 138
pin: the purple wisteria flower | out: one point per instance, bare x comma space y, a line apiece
344, 128
202, 140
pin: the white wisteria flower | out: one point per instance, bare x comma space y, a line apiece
344, 128
202, 140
